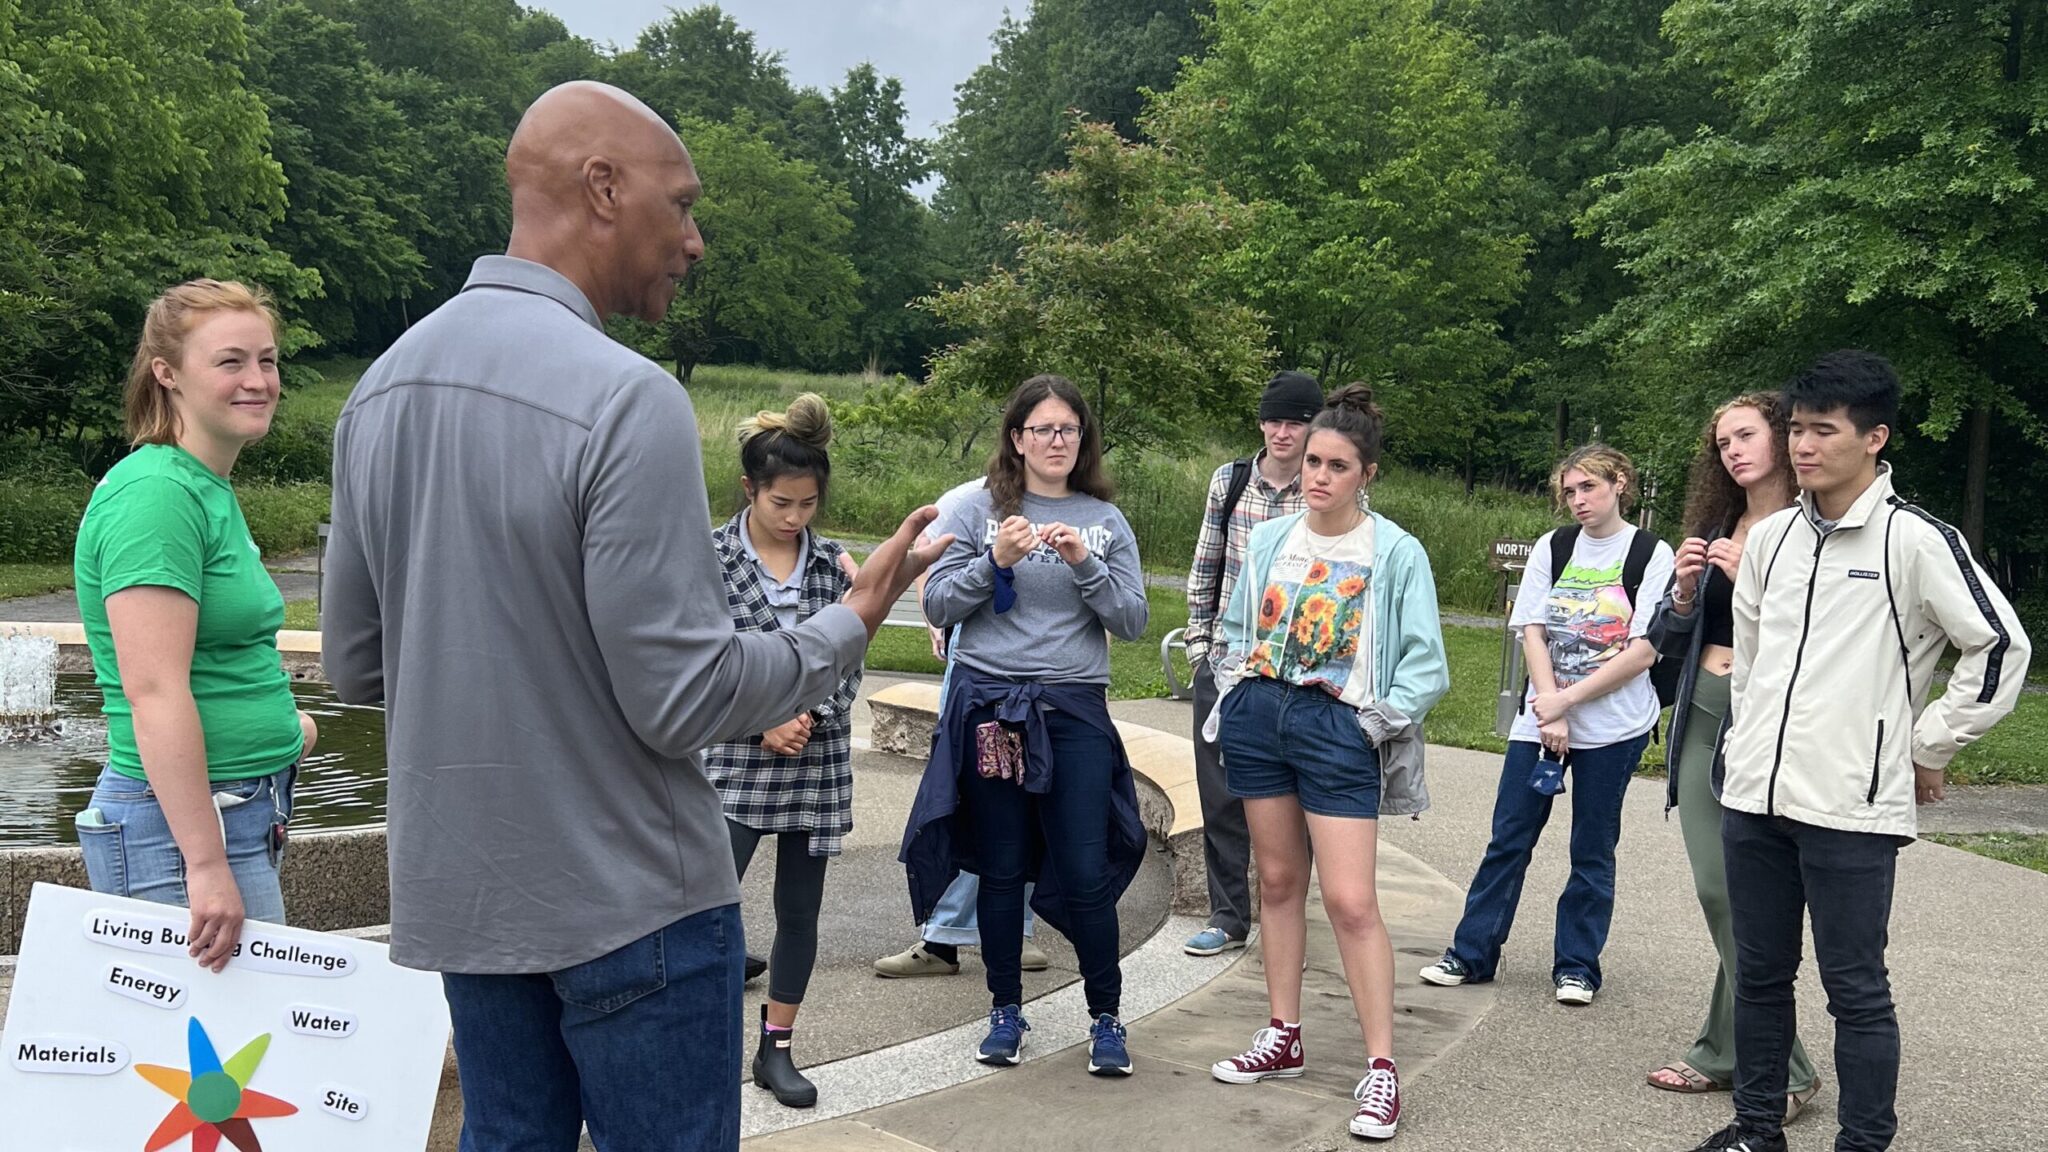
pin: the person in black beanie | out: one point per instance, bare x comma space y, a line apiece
1243, 493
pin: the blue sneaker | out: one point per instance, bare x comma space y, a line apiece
1107, 1055
1005, 1042
1211, 941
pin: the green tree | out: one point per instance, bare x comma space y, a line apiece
700, 64
1595, 89
775, 284
351, 166
142, 160
1117, 297
889, 242
1097, 57
1384, 243
1880, 186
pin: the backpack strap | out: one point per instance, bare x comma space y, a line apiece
1641, 550
1240, 479
1562, 541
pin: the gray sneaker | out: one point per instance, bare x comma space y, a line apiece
1033, 958
916, 962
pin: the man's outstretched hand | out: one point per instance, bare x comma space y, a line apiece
890, 568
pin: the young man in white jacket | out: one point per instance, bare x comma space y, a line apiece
1843, 605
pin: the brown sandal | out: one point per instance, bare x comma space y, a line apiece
1695, 1081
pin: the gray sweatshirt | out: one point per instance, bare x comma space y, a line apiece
521, 568
1054, 630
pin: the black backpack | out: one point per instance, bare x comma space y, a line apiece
1641, 550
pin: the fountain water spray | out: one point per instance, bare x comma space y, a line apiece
28, 687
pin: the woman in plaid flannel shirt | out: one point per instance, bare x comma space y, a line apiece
795, 781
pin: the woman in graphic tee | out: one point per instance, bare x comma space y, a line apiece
1027, 777
1330, 654
1586, 717
182, 620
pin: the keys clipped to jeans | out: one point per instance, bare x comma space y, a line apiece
999, 751
1548, 776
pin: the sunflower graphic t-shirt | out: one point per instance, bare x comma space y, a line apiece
1315, 616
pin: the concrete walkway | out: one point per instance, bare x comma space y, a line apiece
1503, 1067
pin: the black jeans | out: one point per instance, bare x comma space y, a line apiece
1074, 817
1778, 868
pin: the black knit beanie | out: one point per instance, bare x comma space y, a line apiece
1291, 396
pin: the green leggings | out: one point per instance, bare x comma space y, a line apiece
1699, 819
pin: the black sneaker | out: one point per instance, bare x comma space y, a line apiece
1731, 1139
1448, 972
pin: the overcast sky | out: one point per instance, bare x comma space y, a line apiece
930, 45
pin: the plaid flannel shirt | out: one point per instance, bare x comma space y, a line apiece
1215, 567
812, 791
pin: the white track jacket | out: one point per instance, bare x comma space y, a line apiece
1836, 641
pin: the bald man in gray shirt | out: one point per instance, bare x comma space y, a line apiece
521, 570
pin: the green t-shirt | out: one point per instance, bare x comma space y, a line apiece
164, 519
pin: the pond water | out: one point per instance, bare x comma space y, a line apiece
43, 785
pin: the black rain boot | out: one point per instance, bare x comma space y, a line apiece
776, 1071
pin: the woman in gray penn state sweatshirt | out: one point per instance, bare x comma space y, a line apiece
1041, 565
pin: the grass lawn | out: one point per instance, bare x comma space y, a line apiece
33, 579
301, 615
2011, 847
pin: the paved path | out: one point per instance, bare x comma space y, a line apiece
1503, 1067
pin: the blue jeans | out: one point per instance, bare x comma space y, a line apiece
1280, 739
1777, 869
129, 850
1598, 780
956, 920
1074, 817
642, 1044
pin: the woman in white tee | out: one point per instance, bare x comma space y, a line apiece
1587, 715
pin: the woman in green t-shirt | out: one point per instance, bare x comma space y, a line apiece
203, 735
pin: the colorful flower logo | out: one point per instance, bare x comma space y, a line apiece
214, 1099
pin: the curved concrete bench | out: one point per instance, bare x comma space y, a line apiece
1168, 802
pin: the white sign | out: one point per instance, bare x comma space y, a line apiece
306, 1042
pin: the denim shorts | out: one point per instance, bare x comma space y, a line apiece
1281, 740
131, 851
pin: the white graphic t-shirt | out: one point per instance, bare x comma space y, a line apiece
1314, 626
1588, 621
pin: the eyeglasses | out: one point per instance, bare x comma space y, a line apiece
1049, 433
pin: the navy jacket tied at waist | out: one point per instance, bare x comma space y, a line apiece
938, 843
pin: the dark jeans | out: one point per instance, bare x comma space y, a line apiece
1597, 779
1074, 817
640, 1043
1777, 869
799, 894
1226, 838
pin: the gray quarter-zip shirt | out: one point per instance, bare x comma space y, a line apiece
521, 569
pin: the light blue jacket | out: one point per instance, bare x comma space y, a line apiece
1408, 647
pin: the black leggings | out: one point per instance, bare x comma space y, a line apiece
799, 893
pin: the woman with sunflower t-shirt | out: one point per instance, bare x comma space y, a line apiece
1324, 686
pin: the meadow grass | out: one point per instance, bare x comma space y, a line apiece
2027, 851
33, 579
